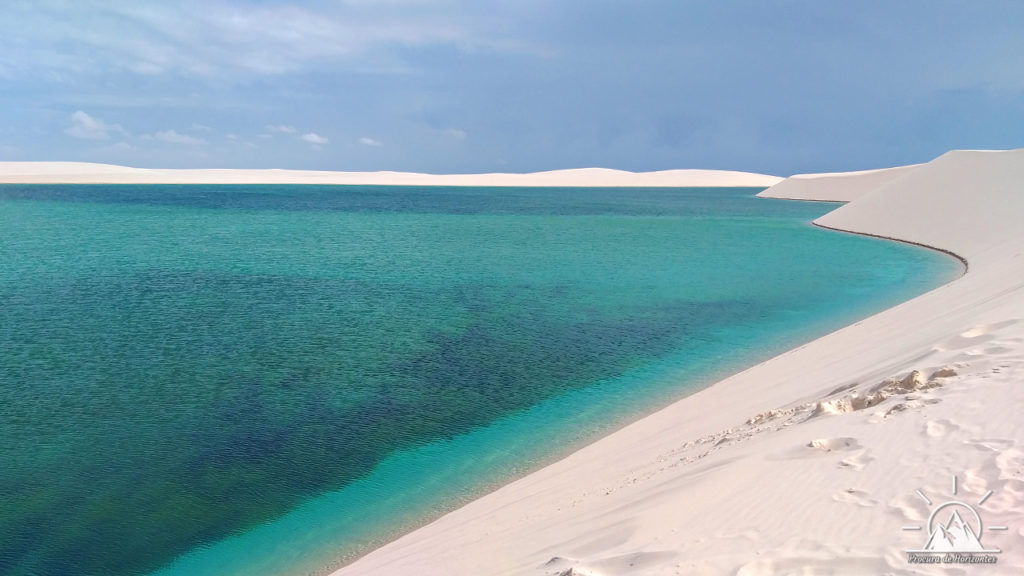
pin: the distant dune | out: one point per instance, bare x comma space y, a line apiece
836, 187
87, 173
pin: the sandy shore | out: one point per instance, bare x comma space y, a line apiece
86, 173
811, 462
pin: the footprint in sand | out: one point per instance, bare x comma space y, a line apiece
909, 507
1010, 462
832, 444
561, 566
940, 428
993, 444
966, 340
857, 461
996, 350
974, 336
856, 497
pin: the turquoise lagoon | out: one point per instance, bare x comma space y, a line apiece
274, 379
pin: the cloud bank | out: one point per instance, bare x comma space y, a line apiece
314, 138
85, 127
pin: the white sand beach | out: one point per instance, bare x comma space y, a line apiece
88, 173
811, 462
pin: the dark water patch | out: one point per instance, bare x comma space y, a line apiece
167, 410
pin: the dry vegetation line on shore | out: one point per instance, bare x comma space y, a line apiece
911, 391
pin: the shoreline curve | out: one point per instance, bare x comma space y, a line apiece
810, 460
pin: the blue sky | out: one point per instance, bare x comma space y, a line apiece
509, 85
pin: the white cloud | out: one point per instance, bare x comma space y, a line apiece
370, 142
174, 137
282, 129
239, 141
196, 127
227, 39
314, 138
88, 128
456, 133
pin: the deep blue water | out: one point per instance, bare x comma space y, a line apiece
273, 379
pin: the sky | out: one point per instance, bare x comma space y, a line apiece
450, 86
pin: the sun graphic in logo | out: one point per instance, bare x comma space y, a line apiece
955, 526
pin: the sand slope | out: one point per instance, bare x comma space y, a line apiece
81, 172
835, 187
807, 463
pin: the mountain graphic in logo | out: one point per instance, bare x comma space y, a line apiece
954, 536
954, 527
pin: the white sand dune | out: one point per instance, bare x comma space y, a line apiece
82, 172
837, 187
807, 463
